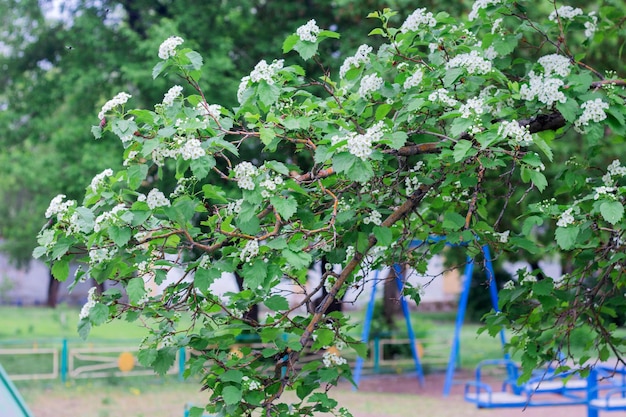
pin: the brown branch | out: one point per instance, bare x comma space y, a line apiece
420, 148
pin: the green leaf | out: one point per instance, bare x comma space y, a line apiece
196, 412
360, 171
146, 357
612, 211
569, 109
397, 139
216, 194
459, 126
453, 221
384, 236
504, 45
267, 135
61, 269
566, 236
451, 76
99, 314
538, 179
277, 303
290, 42
307, 50
268, 93
202, 166
135, 290
158, 69
136, 175
254, 274
195, 58
119, 235
343, 161
164, 360
298, 260
231, 395
286, 207
461, 149
84, 327
543, 145
203, 278
232, 375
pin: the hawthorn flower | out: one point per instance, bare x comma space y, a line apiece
414, 80
212, 110
593, 111
556, 63
107, 216
265, 71
156, 199
520, 134
480, 4
98, 180
168, 47
472, 62
369, 84
592, 25
473, 107
566, 218
192, 149
375, 218
91, 302
602, 190
119, 100
509, 285
545, 90
244, 172
309, 31
249, 251
172, 94
616, 168
331, 358
565, 12
360, 57
443, 96
58, 206
417, 19
361, 145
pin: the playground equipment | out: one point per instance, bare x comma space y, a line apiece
460, 317
11, 402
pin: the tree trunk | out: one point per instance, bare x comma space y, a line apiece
391, 297
253, 313
53, 291
337, 304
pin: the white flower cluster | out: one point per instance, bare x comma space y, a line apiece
591, 26
411, 182
496, 25
107, 216
99, 255
244, 173
172, 94
509, 285
192, 149
250, 384
566, 218
478, 5
443, 96
556, 63
58, 206
416, 19
361, 57
520, 134
119, 100
474, 107
565, 12
546, 90
593, 111
130, 158
309, 31
472, 62
212, 110
414, 80
369, 84
98, 180
262, 71
270, 184
504, 236
168, 47
603, 190
331, 358
375, 218
156, 199
526, 276
361, 145
249, 251
616, 168
91, 302
234, 207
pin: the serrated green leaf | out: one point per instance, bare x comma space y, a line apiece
216, 194
612, 211
231, 395
453, 221
195, 58
84, 327
135, 290
146, 357
297, 259
277, 303
164, 360
286, 207
566, 236
569, 109
202, 166
232, 375
158, 69
254, 274
461, 149
290, 42
305, 49
451, 76
99, 314
119, 235
268, 93
384, 236
267, 135
61, 269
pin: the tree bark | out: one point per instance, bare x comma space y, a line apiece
53, 291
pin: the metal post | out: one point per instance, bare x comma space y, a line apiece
64, 359
366, 333
182, 358
592, 392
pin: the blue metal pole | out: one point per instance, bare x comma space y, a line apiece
64, 359
367, 324
460, 317
407, 317
592, 392
182, 358
493, 290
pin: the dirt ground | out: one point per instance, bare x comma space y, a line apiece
389, 395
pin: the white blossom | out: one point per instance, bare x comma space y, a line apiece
443, 96
99, 255
172, 94
98, 180
473, 107
360, 57
414, 80
416, 19
249, 251
360, 145
234, 207
91, 302
520, 134
616, 168
244, 172
591, 26
212, 110
565, 12
58, 206
168, 47
309, 31
545, 90
369, 84
509, 285
375, 218
265, 71
566, 218
119, 100
472, 62
331, 358
478, 5
602, 190
156, 199
556, 63
107, 216
593, 111
192, 149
